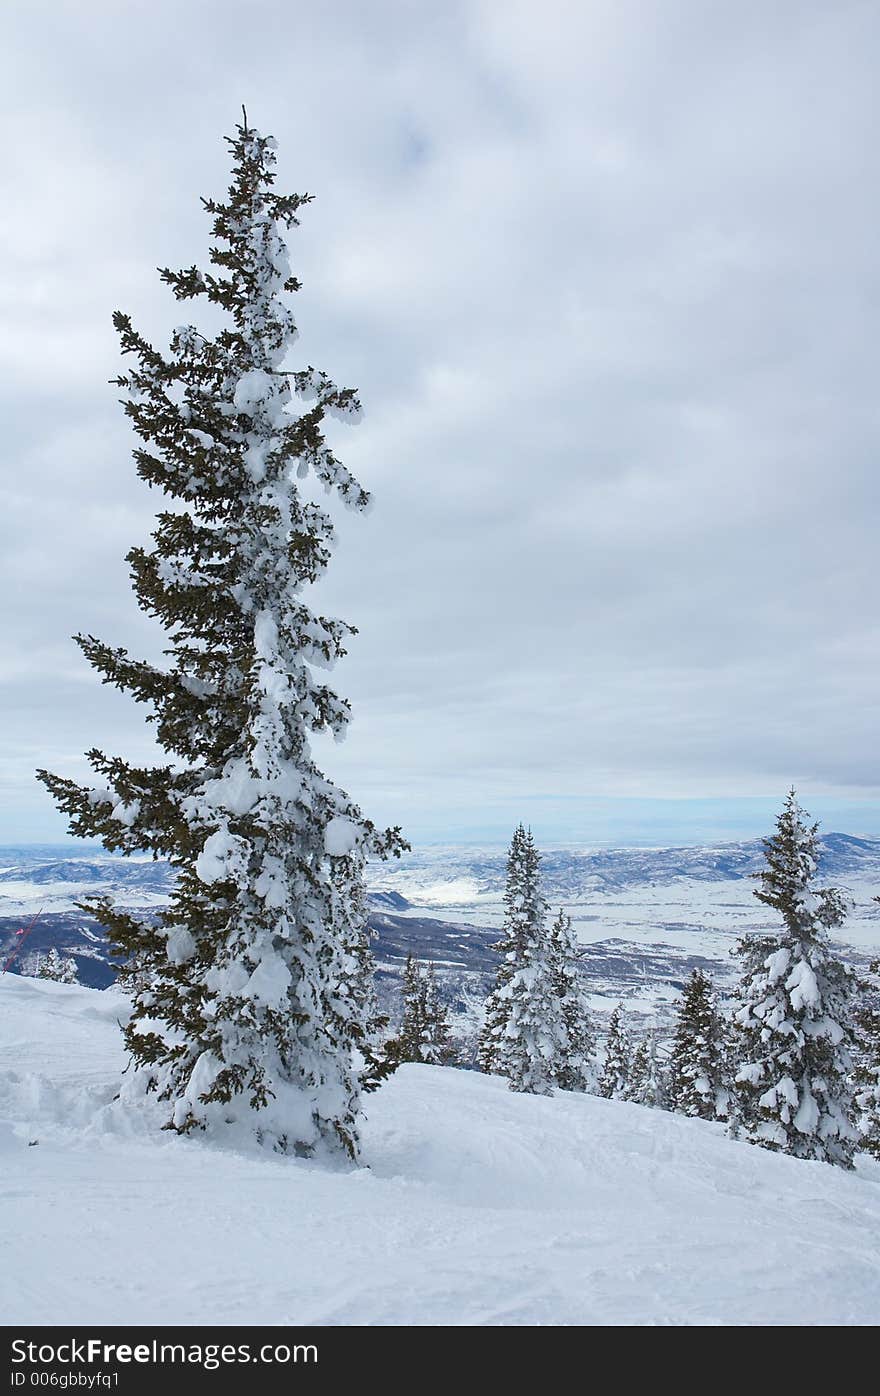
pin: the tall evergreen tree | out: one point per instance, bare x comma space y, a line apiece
248, 991
509, 949
524, 1035
576, 1071
698, 1065
614, 1078
795, 1009
60, 968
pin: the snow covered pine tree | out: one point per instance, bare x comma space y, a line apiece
698, 1066
437, 1048
61, 968
646, 1082
495, 1010
867, 1070
795, 1009
614, 1080
576, 1070
424, 1028
524, 1035
250, 1000
406, 1046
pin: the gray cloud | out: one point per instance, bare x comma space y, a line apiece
607, 278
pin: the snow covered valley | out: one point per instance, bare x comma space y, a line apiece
473, 1206
644, 917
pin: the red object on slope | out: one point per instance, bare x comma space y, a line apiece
20, 938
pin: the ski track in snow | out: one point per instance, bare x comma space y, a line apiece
476, 1206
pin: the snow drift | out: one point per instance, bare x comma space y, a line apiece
477, 1206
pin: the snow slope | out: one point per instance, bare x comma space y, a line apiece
477, 1207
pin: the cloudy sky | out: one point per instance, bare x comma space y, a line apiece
607, 276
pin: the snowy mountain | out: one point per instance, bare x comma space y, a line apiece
444, 877
473, 1206
41, 882
645, 917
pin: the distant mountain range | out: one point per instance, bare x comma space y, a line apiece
645, 916
576, 871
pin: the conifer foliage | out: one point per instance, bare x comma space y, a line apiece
60, 968
496, 1010
349, 911
438, 1047
575, 1069
866, 1076
524, 1034
424, 1029
698, 1063
250, 990
614, 1079
795, 1009
646, 1082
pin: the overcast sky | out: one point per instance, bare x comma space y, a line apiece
607, 276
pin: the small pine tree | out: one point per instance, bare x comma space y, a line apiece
614, 1078
637, 1086
438, 1047
698, 1066
866, 1076
60, 968
534, 1037
795, 1009
576, 1070
468, 1033
647, 1081
248, 990
424, 1029
407, 1045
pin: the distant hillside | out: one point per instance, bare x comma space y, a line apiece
645, 917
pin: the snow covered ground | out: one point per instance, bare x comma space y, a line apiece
474, 1206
